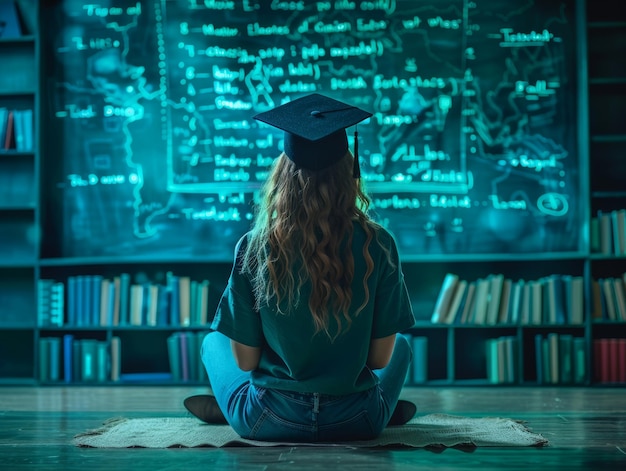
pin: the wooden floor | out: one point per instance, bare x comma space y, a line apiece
586, 428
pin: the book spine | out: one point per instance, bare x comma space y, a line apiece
68, 373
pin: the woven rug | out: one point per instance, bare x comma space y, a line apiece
435, 430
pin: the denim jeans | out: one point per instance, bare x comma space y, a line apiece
276, 415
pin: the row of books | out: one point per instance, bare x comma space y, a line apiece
495, 299
67, 359
608, 232
560, 359
501, 355
16, 130
610, 360
93, 300
71, 360
609, 298
183, 349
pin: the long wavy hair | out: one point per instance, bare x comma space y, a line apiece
302, 232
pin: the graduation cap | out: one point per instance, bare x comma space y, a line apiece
315, 130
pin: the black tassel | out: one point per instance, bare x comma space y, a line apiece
356, 168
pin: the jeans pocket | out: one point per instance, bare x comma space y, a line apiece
358, 427
270, 427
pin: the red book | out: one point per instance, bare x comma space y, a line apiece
614, 355
8, 140
621, 360
597, 360
605, 361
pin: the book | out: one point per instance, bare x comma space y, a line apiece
608, 296
96, 297
57, 304
453, 310
163, 305
116, 358
184, 356
574, 297
511, 359
621, 359
613, 360
468, 304
89, 360
4, 117
136, 304
482, 298
579, 360
77, 366
105, 302
620, 233
539, 358
27, 125
620, 299
615, 231
8, 132
117, 286
505, 302
515, 302
566, 345
124, 314
44, 359
173, 286
193, 302
606, 234
492, 357
54, 347
102, 361
536, 306
203, 300
596, 301
153, 305
18, 131
193, 356
44, 301
494, 294
444, 298
554, 357
185, 300
173, 352
83, 284
594, 235
525, 305
68, 370
604, 360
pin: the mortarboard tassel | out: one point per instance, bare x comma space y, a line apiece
356, 168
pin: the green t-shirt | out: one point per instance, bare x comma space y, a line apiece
292, 357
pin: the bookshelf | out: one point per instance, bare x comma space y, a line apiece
18, 191
606, 34
455, 354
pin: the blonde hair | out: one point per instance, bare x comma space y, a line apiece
302, 233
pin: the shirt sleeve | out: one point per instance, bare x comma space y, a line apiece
393, 312
236, 316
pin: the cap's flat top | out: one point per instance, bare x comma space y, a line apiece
313, 117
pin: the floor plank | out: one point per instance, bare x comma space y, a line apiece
586, 428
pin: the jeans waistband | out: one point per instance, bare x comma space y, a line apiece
313, 396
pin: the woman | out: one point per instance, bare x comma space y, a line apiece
306, 345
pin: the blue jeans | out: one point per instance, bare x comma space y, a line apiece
276, 415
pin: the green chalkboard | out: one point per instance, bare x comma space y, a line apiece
152, 150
